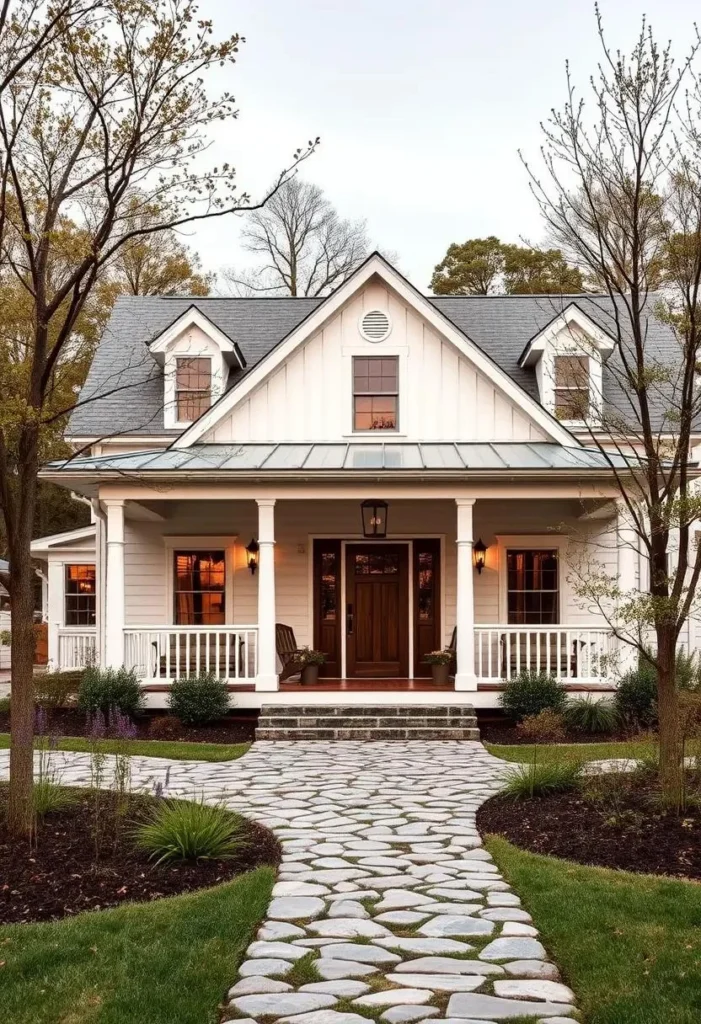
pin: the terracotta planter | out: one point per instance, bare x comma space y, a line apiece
440, 674
310, 674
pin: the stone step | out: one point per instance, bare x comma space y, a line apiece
351, 710
365, 721
368, 733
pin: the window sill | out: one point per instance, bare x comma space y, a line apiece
376, 434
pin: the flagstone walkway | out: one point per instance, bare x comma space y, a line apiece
384, 881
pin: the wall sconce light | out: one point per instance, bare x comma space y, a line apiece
479, 552
252, 550
374, 518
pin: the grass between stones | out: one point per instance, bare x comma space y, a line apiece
175, 750
157, 963
303, 971
629, 945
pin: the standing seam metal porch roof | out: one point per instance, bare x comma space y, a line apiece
272, 458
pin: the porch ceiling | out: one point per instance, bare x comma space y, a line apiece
351, 458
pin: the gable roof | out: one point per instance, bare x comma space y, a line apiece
375, 266
571, 316
193, 315
123, 393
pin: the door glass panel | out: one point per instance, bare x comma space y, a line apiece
426, 586
380, 563
329, 583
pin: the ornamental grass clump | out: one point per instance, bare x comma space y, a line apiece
199, 700
529, 693
584, 715
528, 781
180, 830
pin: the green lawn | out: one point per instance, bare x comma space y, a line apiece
168, 962
629, 945
575, 751
177, 751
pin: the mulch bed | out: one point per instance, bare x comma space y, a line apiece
635, 836
232, 729
59, 876
507, 734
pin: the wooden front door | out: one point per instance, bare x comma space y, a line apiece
377, 611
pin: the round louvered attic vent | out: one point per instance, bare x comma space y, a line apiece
375, 325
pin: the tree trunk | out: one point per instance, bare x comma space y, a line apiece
670, 741
20, 807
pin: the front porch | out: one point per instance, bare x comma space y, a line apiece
375, 607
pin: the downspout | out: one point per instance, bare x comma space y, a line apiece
100, 557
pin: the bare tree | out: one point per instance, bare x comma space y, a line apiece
621, 195
304, 246
104, 117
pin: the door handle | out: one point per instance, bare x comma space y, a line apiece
349, 619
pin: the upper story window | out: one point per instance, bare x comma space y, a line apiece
572, 400
193, 387
79, 595
375, 392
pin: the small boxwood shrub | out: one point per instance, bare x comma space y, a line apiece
582, 714
57, 690
636, 697
163, 727
103, 689
198, 700
529, 693
4, 705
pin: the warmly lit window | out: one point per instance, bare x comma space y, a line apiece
532, 587
80, 595
193, 387
375, 392
572, 387
200, 578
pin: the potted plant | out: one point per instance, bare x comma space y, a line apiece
309, 661
440, 664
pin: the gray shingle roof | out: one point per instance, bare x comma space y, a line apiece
124, 389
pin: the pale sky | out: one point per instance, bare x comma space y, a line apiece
421, 107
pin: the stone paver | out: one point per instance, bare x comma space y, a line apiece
384, 881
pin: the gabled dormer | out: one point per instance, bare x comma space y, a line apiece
568, 357
197, 358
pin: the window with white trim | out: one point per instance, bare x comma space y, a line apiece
193, 387
572, 386
375, 392
532, 587
79, 595
199, 588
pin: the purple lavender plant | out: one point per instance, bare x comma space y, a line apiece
96, 726
41, 721
121, 727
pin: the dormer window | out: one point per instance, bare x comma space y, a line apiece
193, 387
571, 398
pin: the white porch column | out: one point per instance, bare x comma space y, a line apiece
266, 679
114, 604
628, 555
465, 678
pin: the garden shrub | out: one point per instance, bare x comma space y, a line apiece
179, 830
529, 693
104, 689
541, 779
688, 670
163, 727
636, 697
57, 690
198, 700
547, 726
582, 714
4, 705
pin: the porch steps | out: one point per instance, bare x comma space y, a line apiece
378, 722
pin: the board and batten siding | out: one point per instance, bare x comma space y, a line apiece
147, 563
441, 394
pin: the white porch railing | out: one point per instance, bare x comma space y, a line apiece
76, 646
166, 653
572, 654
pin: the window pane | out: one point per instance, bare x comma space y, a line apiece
571, 404
381, 563
375, 413
329, 582
375, 375
191, 405
426, 586
193, 374
571, 371
199, 584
